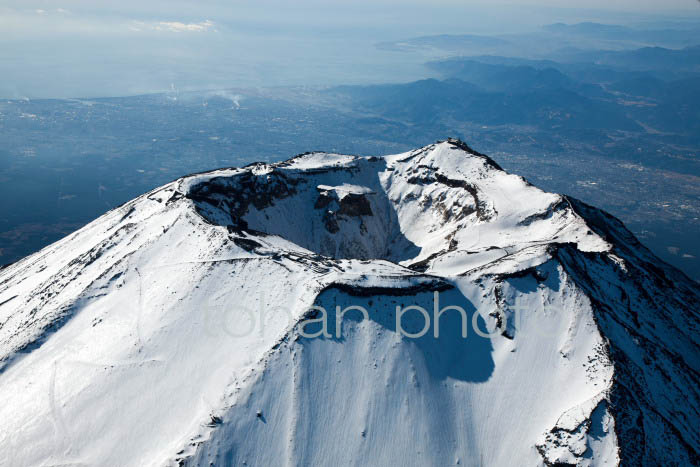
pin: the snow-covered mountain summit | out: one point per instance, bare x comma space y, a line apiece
175, 329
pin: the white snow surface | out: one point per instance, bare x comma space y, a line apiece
169, 330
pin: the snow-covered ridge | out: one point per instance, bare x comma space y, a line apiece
169, 330
425, 204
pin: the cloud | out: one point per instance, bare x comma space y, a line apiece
42, 12
173, 26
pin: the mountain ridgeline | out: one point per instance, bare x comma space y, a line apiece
188, 326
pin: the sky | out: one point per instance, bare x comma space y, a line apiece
80, 48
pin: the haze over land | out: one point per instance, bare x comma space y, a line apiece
85, 49
600, 104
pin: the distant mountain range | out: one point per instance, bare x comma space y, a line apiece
679, 35
552, 39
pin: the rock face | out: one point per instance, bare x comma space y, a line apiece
197, 325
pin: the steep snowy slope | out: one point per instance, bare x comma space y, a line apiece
197, 325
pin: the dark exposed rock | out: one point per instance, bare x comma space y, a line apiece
547, 214
350, 205
330, 221
480, 209
533, 272
503, 319
323, 200
355, 205
356, 290
174, 197
246, 243
465, 147
429, 175
424, 264
237, 194
7, 301
214, 420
